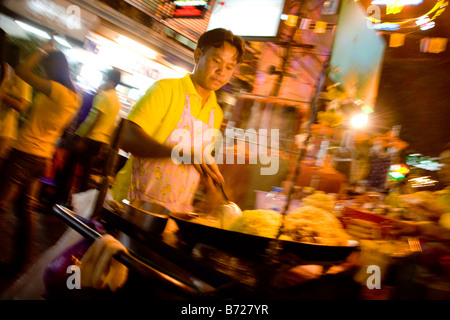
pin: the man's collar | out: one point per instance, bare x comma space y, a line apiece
189, 85
190, 89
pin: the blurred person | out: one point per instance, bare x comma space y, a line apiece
15, 98
427, 274
54, 106
92, 136
439, 229
171, 105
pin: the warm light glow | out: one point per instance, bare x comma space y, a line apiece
401, 2
180, 70
62, 41
422, 20
427, 26
190, 3
90, 76
386, 26
359, 120
421, 182
136, 46
34, 30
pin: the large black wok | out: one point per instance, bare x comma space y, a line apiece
247, 244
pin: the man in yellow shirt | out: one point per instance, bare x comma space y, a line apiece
174, 107
93, 135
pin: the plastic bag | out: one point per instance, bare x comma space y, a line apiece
56, 275
84, 203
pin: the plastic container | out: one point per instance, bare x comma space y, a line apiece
264, 201
275, 200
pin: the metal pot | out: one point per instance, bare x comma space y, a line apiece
148, 216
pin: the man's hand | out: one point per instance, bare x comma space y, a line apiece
206, 165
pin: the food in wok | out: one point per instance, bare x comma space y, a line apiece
306, 224
314, 225
320, 200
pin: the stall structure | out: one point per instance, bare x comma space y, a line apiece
205, 260
295, 257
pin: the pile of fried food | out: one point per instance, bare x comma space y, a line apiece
311, 223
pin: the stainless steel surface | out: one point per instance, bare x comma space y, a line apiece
148, 216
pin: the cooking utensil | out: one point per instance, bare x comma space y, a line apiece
228, 211
148, 216
132, 261
249, 245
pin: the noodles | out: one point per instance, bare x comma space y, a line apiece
264, 223
314, 225
306, 224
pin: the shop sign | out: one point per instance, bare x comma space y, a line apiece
190, 8
60, 15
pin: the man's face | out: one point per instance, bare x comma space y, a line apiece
215, 66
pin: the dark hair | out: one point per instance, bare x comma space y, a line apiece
217, 37
57, 68
114, 76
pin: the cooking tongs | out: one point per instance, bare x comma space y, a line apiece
131, 260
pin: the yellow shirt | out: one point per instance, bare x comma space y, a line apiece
158, 113
9, 118
48, 119
107, 102
159, 110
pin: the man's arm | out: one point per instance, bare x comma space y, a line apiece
136, 141
18, 104
25, 70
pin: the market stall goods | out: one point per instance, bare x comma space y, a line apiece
417, 206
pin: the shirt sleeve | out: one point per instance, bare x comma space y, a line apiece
24, 90
100, 101
150, 110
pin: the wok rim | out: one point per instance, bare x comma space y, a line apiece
176, 216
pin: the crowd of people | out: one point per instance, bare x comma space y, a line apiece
28, 151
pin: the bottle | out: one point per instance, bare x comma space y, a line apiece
275, 200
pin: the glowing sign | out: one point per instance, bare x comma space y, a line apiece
190, 8
398, 171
